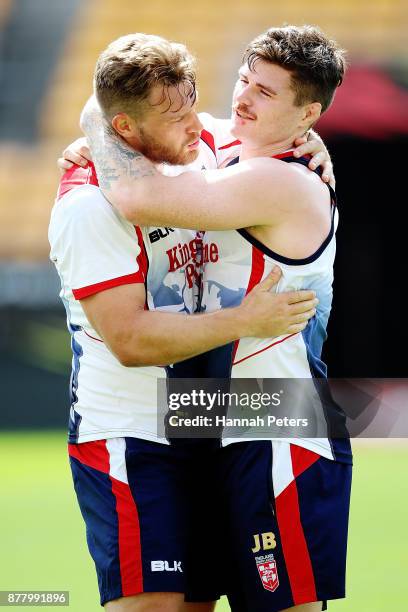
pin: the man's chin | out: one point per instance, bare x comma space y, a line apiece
173, 159
236, 130
188, 157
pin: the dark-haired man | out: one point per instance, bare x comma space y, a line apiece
287, 553
127, 290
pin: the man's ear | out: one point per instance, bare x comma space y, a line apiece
311, 114
124, 125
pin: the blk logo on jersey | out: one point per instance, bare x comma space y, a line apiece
268, 572
159, 233
264, 541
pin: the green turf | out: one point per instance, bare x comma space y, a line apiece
43, 537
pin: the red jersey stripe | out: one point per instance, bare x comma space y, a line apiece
76, 176
93, 337
257, 270
92, 454
208, 138
231, 144
141, 259
130, 552
289, 154
264, 349
294, 545
128, 279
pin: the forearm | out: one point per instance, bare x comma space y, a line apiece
143, 196
159, 338
211, 200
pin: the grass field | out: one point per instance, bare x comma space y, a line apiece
43, 539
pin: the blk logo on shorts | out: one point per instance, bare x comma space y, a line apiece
164, 566
268, 572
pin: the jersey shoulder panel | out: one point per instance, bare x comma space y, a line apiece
91, 244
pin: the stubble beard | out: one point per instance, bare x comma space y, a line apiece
159, 153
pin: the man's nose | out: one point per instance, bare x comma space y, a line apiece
244, 96
195, 124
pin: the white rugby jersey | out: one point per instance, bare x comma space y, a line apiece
93, 249
238, 263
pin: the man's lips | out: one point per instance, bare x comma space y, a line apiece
239, 113
194, 145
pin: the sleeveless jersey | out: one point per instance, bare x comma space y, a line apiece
238, 263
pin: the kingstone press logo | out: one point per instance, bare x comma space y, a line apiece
191, 255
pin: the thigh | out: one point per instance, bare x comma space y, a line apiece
151, 602
286, 512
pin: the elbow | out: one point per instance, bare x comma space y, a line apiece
120, 199
126, 352
126, 359
130, 359
129, 205
137, 357
136, 350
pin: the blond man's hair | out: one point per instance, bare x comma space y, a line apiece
128, 69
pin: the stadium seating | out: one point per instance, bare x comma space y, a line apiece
5, 6
215, 31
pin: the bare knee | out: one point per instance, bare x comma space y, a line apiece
315, 606
199, 607
148, 602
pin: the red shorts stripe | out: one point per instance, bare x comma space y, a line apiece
294, 545
130, 552
302, 458
96, 455
92, 454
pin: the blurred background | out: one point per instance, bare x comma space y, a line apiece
48, 50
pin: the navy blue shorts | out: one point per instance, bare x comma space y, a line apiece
286, 511
145, 524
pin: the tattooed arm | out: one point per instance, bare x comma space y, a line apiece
214, 199
114, 159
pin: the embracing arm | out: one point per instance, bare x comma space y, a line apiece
138, 337
231, 198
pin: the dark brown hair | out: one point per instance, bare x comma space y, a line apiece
317, 64
130, 66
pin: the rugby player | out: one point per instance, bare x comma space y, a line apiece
291, 553
132, 487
